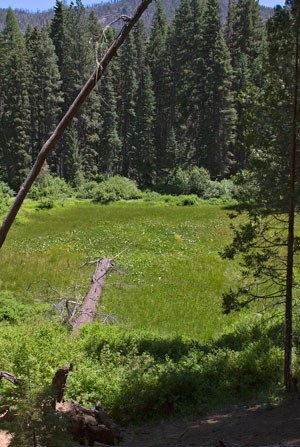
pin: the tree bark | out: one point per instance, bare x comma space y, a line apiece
288, 342
10, 377
89, 306
67, 119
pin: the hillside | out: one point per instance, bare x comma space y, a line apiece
109, 10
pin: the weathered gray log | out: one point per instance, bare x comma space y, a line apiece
68, 117
89, 306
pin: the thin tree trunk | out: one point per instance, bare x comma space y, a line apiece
288, 343
67, 119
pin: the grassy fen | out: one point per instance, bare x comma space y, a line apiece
173, 351
171, 277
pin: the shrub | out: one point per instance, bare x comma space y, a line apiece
152, 196
228, 188
11, 310
47, 186
45, 204
213, 190
142, 374
199, 181
178, 182
189, 200
87, 190
5, 194
117, 188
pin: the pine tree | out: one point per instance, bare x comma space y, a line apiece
79, 59
15, 119
267, 241
57, 32
44, 89
3, 55
213, 115
186, 45
143, 165
246, 44
128, 85
160, 63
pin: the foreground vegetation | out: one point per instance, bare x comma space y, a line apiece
169, 349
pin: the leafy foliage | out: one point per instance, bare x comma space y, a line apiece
116, 188
51, 188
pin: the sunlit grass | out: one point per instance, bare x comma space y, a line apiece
170, 278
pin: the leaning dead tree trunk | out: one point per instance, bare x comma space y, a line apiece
88, 308
67, 119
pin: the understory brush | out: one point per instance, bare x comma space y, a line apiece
47, 188
5, 194
141, 375
116, 188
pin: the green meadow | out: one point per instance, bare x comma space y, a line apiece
170, 349
169, 278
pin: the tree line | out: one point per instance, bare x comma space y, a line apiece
186, 95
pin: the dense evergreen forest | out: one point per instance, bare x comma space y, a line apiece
107, 11
189, 94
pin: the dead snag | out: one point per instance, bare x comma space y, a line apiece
88, 308
59, 382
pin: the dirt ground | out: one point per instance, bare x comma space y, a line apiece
240, 426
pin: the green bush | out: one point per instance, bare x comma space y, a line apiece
11, 310
45, 204
87, 190
228, 188
199, 180
152, 196
5, 194
178, 182
117, 188
47, 186
213, 190
189, 200
141, 374
138, 374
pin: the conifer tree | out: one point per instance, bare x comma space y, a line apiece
110, 145
128, 85
144, 153
246, 44
214, 114
186, 46
57, 32
3, 55
15, 119
44, 89
267, 240
79, 59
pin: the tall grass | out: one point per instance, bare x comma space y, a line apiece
170, 279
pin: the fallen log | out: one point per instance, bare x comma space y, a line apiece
89, 306
90, 425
